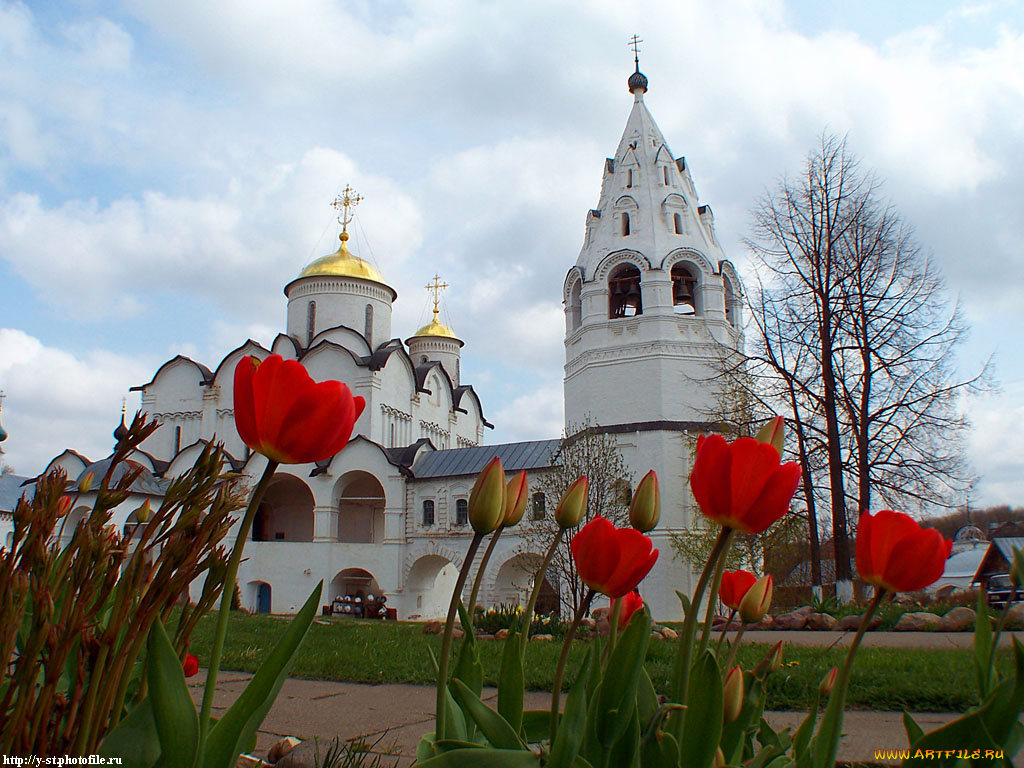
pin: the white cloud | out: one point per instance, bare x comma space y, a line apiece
997, 444
56, 399
533, 415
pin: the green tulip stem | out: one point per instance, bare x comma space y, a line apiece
709, 615
556, 686
225, 599
538, 582
735, 646
480, 573
725, 628
681, 667
837, 700
613, 626
449, 626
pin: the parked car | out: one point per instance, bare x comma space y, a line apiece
1001, 591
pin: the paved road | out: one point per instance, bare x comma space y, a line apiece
877, 639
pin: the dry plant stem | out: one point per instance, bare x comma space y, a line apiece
725, 628
709, 615
735, 646
681, 667
538, 582
556, 686
449, 625
225, 601
480, 573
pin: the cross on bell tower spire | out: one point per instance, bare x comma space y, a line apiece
436, 286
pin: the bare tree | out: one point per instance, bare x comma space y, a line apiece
585, 450
857, 341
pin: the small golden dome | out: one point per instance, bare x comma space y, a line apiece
435, 328
342, 263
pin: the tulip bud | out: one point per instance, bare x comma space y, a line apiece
487, 499
828, 681
516, 494
85, 483
776, 658
773, 432
573, 504
143, 513
631, 603
63, 505
719, 761
645, 509
732, 701
756, 602
190, 666
770, 663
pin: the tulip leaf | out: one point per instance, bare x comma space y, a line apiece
468, 668
482, 758
425, 747
685, 602
983, 656
622, 675
573, 722
134, 739
659, 751
238, 725
455, 718
174, 713
703, 724
536, 725
802, 736
914, 731
510, 682
624, 752
450, 745
764, 757
497, 730
646, 698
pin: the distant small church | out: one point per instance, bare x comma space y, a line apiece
649, 306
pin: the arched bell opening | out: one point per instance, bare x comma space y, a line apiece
684, 290
624, 296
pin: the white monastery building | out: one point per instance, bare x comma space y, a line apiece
649, 304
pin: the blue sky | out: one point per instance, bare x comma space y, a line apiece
166, 168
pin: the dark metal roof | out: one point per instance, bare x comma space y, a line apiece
533, 454
11, 490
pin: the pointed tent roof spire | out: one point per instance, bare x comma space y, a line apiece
637, 81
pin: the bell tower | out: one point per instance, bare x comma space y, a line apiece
650, 306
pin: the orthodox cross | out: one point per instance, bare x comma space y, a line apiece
635, 45
344, 203
436, 286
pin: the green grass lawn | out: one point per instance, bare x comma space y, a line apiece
378, 652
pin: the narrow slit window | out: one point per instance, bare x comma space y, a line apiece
677, 222
664, 173
368, 324
629, 179
310, 322
428, 512
625, 225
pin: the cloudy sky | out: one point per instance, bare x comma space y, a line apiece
165, 169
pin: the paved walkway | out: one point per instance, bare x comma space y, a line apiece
400, 714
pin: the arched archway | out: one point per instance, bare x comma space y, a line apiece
74, 518
360, 508
358, 585
685, 299
286, 512
514, 580
429, 586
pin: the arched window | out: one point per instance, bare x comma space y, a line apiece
664, 173
629, 179
575, 307
625, 224
684, 290
731, 305
624, 298
428, 512
368, 324
538, 506
461, 511
677, 221
391, 440
310, 322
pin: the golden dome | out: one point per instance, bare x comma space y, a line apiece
342, 263
435, 328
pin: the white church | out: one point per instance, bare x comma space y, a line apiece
649, 303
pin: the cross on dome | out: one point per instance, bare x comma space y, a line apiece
343, 204
637, 81
436, 286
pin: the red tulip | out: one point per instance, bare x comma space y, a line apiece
734, 586
289, 418
631, 603
191, 665
612, 560
894, 553
741, 484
